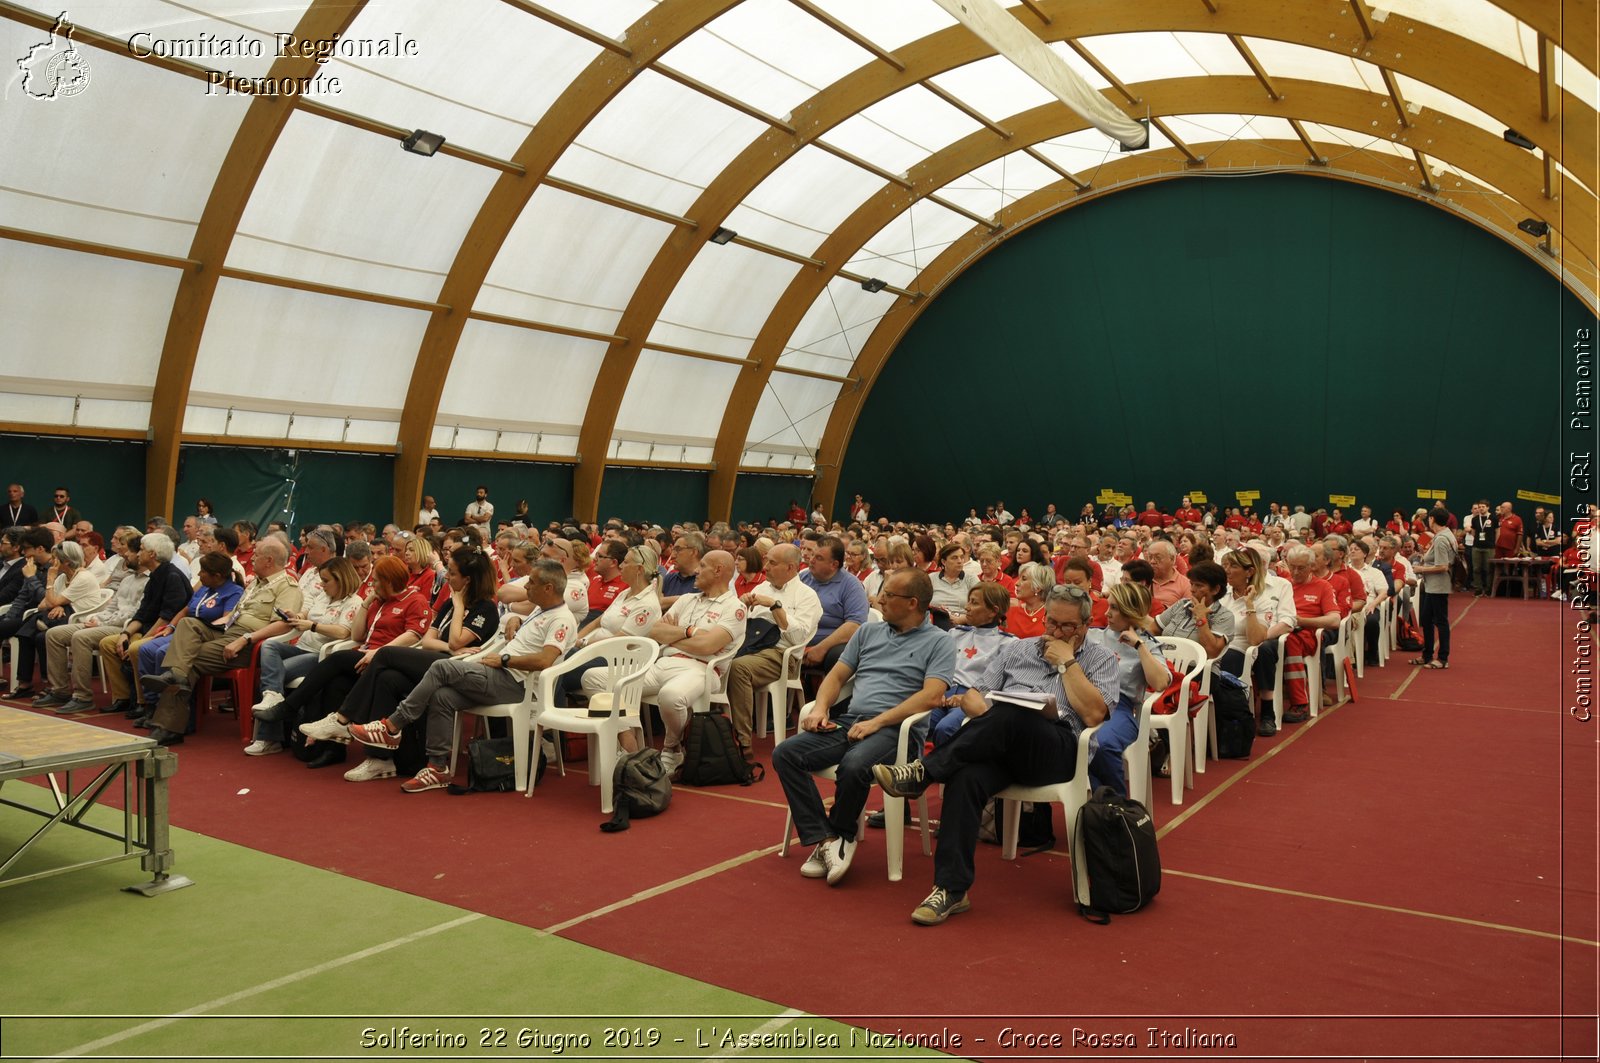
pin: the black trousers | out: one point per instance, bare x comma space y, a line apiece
1005, 745
324, 687
1435, 613
394, 672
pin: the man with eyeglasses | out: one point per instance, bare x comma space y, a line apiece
899, 668
1005, 743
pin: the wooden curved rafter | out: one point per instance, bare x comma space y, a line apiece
1044, 204
252, 145
1464, 147
1471, 72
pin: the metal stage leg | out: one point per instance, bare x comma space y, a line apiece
154, 774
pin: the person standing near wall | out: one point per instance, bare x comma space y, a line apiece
1435, 605
1480, 546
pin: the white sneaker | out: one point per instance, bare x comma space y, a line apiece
837, 854
815, 866
671, 760
327, 729
1558, 596
258, 748
269, 698
369, 769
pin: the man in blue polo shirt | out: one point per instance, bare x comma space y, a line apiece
844, 603
901, 667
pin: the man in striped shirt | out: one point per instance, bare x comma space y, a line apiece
1070, 685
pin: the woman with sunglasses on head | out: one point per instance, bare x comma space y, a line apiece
1261, 605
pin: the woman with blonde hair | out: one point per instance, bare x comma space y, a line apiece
417, 554
1025, 618
1141, 668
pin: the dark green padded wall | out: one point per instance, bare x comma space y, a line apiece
764, 499
1297, 336
105, 478
663, 496
453, 482
299, 487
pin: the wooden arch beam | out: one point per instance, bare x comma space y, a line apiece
648, 39
1570, 23
1471, 72
236, 179
1044, 204
1463, 146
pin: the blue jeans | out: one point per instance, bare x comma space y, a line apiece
1115, 735
281, 662
795, 758
150, 653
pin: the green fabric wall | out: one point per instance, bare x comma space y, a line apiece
453, 482
309, 487
105, 478
764, 499
1297, 336
662, 496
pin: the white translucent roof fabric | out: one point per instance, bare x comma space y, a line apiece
345, 243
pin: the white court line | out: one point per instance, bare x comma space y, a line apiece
665, 887
264, 987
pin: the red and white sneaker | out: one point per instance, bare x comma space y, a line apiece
429, 778
376, 734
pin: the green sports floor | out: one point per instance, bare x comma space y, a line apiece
302, 963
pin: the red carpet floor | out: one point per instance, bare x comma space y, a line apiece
1413, 856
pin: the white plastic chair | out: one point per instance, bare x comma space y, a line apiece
1136, 757
519, 713
1070, 795
1250, 656
894, 811
610, 712
779, 694
1190, 660
1341, 653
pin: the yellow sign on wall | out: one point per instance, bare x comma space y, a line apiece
1538, 496
1198, 498
1431, 492
1342, 500
1246, 496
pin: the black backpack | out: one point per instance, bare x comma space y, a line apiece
1115, 868
1236, 720
711, 754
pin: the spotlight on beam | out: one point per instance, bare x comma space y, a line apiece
1514, 137
422, 142
1533, 226
873, 284
723, 236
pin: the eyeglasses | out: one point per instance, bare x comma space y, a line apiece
1062, 625
894, 594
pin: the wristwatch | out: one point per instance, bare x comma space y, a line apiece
505, 660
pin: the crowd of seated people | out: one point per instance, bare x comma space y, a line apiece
353, 632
